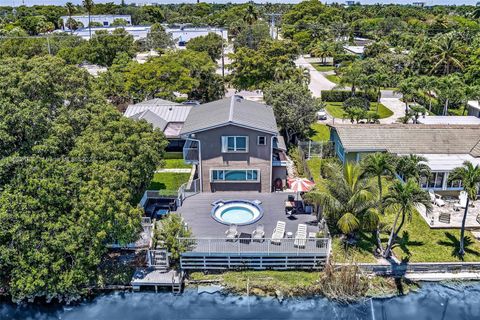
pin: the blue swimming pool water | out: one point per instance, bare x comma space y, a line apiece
237, 215
433, 302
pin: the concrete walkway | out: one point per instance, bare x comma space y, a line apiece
392, 101
175, 170
318, 82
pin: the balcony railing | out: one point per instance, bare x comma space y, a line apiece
191, 155
266, 246
279, 163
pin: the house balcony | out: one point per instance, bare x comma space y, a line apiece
191, 152
279, 159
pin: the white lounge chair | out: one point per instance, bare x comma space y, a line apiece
462, 201
436, 198
300, 235
232, 232
278, 232
259, 233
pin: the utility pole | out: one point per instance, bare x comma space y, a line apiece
273, 17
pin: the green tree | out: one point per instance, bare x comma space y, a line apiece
403, 198
451, 89
351, 75
70, 11
470, 177
294, 108
348, 199
89, 5
413, 167
103, 47
211, 44
167, 236
119, 22
447, 53
252, 36
158, 39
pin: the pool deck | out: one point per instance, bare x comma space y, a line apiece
196, 213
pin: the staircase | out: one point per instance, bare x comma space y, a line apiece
158, 259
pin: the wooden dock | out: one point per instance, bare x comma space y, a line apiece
150, 277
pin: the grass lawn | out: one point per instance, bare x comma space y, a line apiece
335, 109
333, 78
319, 132
314, 165
323, 68
361, 252
418, 243
168, 181
175, 163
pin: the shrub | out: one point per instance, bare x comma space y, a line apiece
172, 228
356, 102
343, 57
342, 95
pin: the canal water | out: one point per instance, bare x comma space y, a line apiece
433, 301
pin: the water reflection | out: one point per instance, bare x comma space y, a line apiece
432, 302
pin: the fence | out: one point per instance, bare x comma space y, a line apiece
265, 247
312, 149
188, 189
418, 267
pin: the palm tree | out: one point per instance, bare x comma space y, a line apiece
408, 90
250, 17
427, 85
470, 177
404, 198
451, 88
447, 53
347, 198
70, 11
88, 5
413, 167
377, 165
322, 50
351, 75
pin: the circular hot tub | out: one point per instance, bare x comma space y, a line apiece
238, 212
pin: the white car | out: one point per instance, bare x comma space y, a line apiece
321, 115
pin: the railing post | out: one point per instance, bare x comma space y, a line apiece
209, 250
268, 247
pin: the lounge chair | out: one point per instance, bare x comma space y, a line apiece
232, 232
436, 198
462, 201
300, 236
259, 233
278, 232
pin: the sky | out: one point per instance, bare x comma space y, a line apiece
62, 2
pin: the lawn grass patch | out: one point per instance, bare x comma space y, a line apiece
168, 182
314, 164
319, 132
361, 252
333, 78
323, 68
335, 109
418, 243
175, 164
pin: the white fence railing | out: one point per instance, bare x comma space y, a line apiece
239, 246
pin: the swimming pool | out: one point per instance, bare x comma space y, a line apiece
239, 212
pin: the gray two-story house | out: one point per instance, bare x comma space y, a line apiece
235, 145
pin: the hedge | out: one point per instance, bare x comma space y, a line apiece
342, 95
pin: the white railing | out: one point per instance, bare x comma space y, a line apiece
239, 246
279, 163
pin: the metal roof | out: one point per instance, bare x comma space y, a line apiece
411, 138
167, 110
449, 120
151, 117
231, 111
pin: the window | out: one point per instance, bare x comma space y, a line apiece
246, 175
234, 144
455, 184
434, 181
262, 140
105, 23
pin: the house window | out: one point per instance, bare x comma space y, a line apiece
262, 140
105, 23
245, 175
435, 181
234, 144
455, 184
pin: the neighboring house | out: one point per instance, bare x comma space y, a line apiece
456, 120
473, 108
445, 146
359, 51
235, 145
165, 115
105, 20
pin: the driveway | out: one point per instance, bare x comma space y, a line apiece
318, 82
392, 101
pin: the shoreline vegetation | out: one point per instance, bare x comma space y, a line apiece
340, 283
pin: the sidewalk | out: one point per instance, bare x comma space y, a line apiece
392, 101
318, 82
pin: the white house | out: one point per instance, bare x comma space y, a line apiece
105, 20
473, 108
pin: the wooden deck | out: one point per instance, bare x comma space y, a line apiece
145, 277
455, 216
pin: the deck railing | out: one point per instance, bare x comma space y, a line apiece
239, 246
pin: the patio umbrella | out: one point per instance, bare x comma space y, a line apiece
300, 185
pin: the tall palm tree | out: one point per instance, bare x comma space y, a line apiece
447, 53
403, 198
88, 5
322, 50
250, 17
70, 11
408, 90
413, 167
347, 198
451, 88
378, 165
470, 177
351, 75
427, 85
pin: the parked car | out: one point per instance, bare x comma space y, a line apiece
321, 115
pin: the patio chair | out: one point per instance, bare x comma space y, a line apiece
436, 198
278, 232
259, 233
232, 232
301, 236
462, 201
